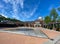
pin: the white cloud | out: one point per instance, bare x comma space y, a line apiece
4, 15
34, 10
21, 3
1, 6
6, 1
40, 18
15, 17
24, 15
15, 8
28, 14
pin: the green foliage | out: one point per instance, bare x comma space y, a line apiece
53, 14
58, 8
47, 19
58, 19
3, 18
58, 16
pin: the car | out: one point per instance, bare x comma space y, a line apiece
29, 36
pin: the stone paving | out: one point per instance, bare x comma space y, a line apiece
13, 38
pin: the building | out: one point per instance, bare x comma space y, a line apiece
36, 23
54, 26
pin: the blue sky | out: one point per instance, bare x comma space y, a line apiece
27, 10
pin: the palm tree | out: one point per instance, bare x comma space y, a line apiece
59, 16
58, 8
53, 14
47, 19
58, 19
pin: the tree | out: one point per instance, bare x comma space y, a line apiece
58, 8
47, 19
58, 16
2, 17
53, 15
58, 19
